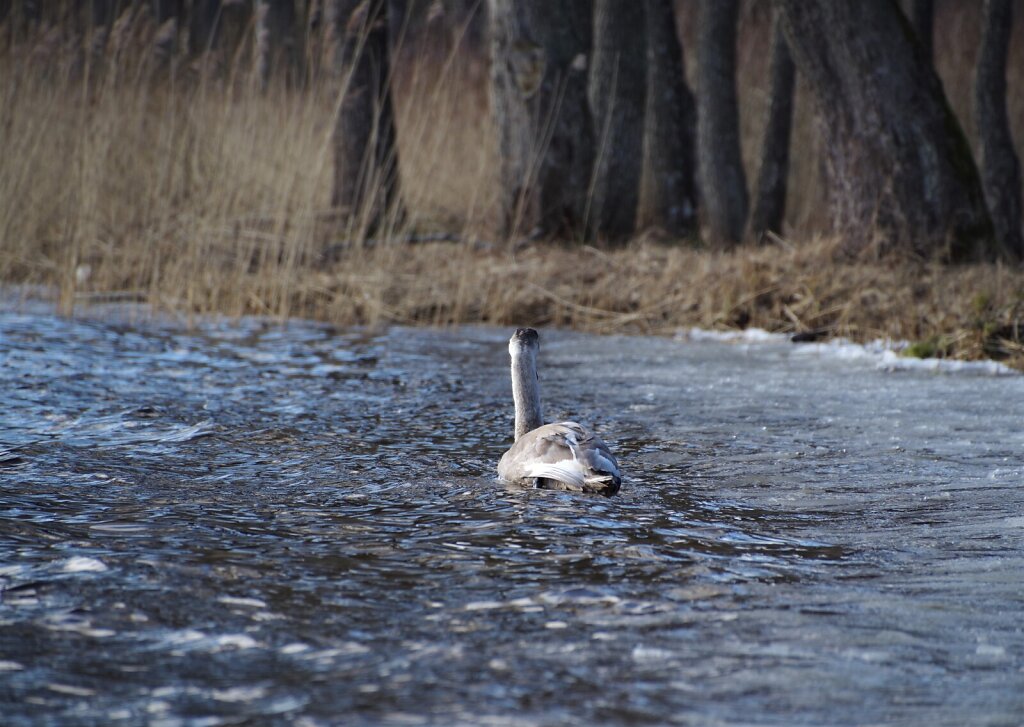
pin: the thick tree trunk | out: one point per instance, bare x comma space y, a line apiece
539, 102
922, 17
205, 23
900, 170
164, 10
104, 12
668, 198
467, 23
1000, 168
275, 42
365, 152
326, 26
722, 179
235, 23
770, 202
617, 91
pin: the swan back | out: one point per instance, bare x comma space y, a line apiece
564, 455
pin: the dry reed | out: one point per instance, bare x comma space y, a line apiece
203, 192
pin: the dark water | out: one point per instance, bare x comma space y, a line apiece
301, 525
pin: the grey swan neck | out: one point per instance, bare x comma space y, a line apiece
526, 390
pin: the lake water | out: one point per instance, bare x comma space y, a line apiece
296, 524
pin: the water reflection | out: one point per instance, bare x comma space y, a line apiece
249, 520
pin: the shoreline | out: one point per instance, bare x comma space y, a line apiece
929, 311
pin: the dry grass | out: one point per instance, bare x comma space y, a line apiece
206, 194
649, 287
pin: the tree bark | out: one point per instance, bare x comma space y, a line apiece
275, 43
164, 10
204, 23
770, 202
922, 17
326, 24
1000, 168
104, 12
722, 179
668, 197
901, 172
617, 92
467, 23
538, 92
365, 151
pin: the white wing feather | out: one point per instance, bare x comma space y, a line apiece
568, 471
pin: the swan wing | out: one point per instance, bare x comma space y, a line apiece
566, 471
565, 452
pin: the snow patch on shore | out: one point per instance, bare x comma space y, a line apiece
884, 354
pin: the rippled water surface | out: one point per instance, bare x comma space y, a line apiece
302, 524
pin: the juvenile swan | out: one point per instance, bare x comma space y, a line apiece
565, 455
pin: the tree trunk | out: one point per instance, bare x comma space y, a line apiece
204, 23
104, 12
1000, 168
164, 10
539, 102
467, 23
723, 182
617, 91
275, 43
922, 16
770, 203
900, 170
235, 22
365, 152
669, 192
325, 22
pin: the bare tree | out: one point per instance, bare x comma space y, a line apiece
365, 150
922, 17
164, 10
275, 47
104, 12
669, 191
467, 23
617, 91
538, 91
1000, 168
900, 170
325, 25
204, 22
770, 201
723, 182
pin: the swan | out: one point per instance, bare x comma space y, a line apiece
563, 455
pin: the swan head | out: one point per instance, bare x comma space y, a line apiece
524, 340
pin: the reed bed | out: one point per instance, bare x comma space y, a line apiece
649, 287
197, 190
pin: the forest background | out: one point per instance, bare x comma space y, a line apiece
199, 156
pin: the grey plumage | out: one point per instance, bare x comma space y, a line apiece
563, 455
